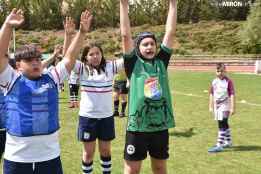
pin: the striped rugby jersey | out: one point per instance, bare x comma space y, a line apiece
96, 89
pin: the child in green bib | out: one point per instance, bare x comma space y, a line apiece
150, 107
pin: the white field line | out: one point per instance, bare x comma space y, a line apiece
201, 96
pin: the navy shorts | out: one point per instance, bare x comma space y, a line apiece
137, 144
2, 142
53, 166
89, 129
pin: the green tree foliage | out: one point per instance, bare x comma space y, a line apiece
251, 31
40, 14
48, 14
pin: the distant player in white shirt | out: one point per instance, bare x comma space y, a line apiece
31, 101
222, 105
73, 81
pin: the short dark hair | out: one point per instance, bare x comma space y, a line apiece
221, 66
27, 52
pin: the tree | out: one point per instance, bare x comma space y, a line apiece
251, 31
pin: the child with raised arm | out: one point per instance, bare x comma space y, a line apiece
73, 81
31, 99
96, 121
2, 126
150, 107
222, 105
3, 115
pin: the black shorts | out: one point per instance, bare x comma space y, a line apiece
137, 145
74, 88
2, 142
120, 86
90, 129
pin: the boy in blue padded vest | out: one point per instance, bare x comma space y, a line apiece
3, 115
31, 101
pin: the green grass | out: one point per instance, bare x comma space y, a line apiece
195, 132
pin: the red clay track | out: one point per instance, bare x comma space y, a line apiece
247, 69
208, 63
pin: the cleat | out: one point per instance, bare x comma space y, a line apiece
122, 115
227, 145
215, 149
115, 113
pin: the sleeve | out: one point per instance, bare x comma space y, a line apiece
165, 54
129, 62
59, 73
77, 67
230, 89
7, 77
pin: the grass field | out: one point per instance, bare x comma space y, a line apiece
195, 131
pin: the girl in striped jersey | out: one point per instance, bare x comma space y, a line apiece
222, 104
96, 119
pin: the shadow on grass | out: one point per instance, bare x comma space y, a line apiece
246, 148
185, 133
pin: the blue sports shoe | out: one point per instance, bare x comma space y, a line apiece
227, 145
215, 149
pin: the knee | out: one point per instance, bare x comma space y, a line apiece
87, 156
105, 151
158, 169
131, 170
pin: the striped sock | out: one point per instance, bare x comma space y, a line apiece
87, 167
106, 164
221, 137
123, 107
228, 138
116, 105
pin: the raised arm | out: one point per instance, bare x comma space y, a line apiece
51, 59
75, 46
14, 19
127, 42
170, 24
69, 29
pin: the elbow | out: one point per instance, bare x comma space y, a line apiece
125, 37
171, 32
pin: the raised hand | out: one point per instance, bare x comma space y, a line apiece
57, 50
69, 26
15, 18
85, 23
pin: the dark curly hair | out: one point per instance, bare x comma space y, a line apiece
86, 50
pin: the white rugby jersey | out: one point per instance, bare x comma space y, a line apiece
222, 89
35, 148
96, 89
74, 76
